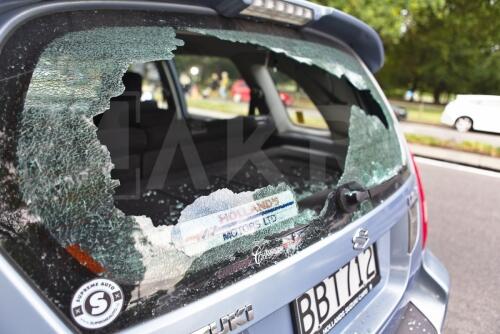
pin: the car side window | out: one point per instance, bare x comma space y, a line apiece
152, 89
213, 87
300, 108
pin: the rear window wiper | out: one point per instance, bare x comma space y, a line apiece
350, 195
339, 204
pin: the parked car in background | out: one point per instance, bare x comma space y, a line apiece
400, 112
156, 215
473, 112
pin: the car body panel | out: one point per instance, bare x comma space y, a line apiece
327, 256
20, 301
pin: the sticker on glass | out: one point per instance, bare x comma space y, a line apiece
287, 246
97, 303
195, 236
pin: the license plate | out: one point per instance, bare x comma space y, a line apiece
325, 305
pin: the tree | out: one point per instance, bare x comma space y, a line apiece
455, 46
388, 17
440, 46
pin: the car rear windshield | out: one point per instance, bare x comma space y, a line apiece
177, 160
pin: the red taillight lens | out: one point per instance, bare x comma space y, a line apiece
423, 205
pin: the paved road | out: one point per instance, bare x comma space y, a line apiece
446, 133
464, 232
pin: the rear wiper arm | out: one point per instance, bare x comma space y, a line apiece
349, 195
346, 198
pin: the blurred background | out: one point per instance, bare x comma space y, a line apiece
434, 48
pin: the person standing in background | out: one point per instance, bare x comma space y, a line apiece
224, 82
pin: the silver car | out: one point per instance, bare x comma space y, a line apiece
226, 166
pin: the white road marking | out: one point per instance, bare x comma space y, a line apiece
457, 167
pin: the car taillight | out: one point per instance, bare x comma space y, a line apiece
423, 205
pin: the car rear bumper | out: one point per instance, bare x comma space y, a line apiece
424, 304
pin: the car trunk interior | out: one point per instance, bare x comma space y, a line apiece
163, 194
165, 159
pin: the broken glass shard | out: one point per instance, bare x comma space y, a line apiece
64, 171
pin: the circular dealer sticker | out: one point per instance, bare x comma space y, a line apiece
97, 303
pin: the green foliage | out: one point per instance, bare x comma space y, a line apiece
388, 17
440, 46
422, 113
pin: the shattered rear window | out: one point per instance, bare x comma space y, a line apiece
188, 205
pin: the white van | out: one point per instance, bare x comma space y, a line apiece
478, 112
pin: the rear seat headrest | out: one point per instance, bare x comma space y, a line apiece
122, 108
132, 82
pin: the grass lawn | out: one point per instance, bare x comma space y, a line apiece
466, 146
429, 117
422, 112
417, 112
310, 119
225, 106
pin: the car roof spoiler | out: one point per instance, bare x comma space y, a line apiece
359, 36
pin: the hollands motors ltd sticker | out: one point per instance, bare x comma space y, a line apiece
198, 235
